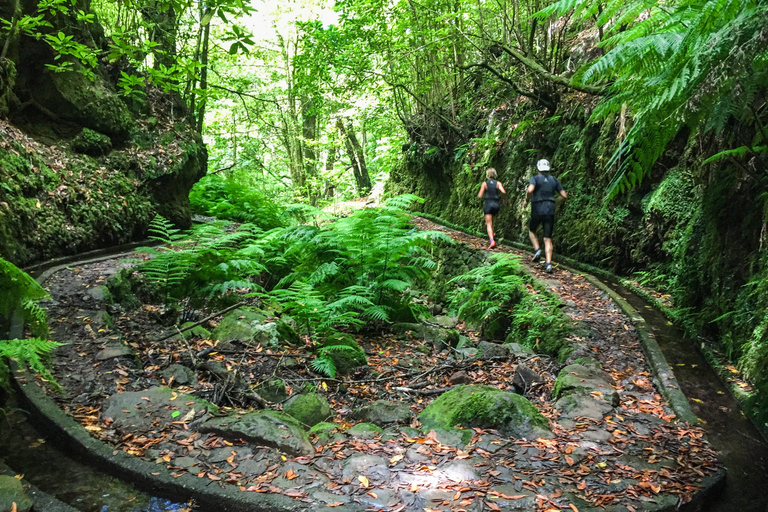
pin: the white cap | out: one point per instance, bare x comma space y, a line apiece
543, 165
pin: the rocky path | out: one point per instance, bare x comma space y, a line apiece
611, 442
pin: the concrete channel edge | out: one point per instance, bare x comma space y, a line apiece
157, 479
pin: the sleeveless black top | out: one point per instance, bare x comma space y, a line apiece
491, 191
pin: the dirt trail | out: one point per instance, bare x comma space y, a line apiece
631, 458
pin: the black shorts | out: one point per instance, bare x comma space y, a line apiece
491, 207
546, 221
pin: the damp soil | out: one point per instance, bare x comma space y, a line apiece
539, 469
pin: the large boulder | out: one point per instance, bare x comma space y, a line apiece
485, 407
268, 428
153, 409
384, 412
310, 409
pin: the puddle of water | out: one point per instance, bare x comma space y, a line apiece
28, 452
743, 451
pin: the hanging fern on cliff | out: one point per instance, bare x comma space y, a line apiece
694, 63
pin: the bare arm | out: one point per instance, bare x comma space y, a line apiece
482, 190
501, 188
529, 191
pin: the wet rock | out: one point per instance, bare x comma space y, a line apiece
310, 409
384, 412
485, 407
373, 467
461, 377
153, 409
324, 498
272, 390
180, 375
12, 492
379, 499
268, 428
454, 437
490, 350
113, 351
524, 378
528, 502
305, 478
575, 405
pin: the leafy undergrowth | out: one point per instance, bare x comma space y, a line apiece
633, 456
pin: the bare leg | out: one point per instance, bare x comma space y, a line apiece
534, 240
489, 227
548, 250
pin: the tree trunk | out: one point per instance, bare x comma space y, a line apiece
356, 158
309, 132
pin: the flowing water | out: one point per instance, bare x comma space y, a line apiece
743, 451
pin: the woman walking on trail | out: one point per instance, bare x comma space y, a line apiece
489, 191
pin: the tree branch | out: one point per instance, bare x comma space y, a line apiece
513, 85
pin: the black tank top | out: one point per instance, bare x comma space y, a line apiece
491, 192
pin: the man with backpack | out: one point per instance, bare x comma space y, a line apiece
541, 192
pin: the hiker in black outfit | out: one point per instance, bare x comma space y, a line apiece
489, 191
541, 191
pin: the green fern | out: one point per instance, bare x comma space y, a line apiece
31, 351
324, 362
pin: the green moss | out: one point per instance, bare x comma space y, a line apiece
483, 407
92, 143
310, 409
345, 360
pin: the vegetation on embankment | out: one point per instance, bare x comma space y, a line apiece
693, 231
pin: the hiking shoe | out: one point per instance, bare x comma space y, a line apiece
548, 268
536, 255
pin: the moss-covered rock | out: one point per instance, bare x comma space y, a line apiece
326, 432
484, 407
345, 360
365, 430
92, 143
309, 409
384, 412
12, 495
269, 428
272, 390
588, 380
240, 324
153, 408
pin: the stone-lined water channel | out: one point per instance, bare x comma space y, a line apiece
743, 451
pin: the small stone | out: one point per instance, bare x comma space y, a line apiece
460, 377
180, 374
373, 467
113, 351
490, 350
524, 378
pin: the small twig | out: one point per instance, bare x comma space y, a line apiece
436, 391
189, 348
211, 317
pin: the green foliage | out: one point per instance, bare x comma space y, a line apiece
20, 293
234, 200
715, 67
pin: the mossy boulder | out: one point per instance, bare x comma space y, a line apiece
266, 427
310, 409
485, 407
326, 432
90, 142
587, 380
239, 325
365, 430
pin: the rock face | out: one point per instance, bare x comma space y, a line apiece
309, 409
12, 492
384, 412
485, 407
268, 428
153, 409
